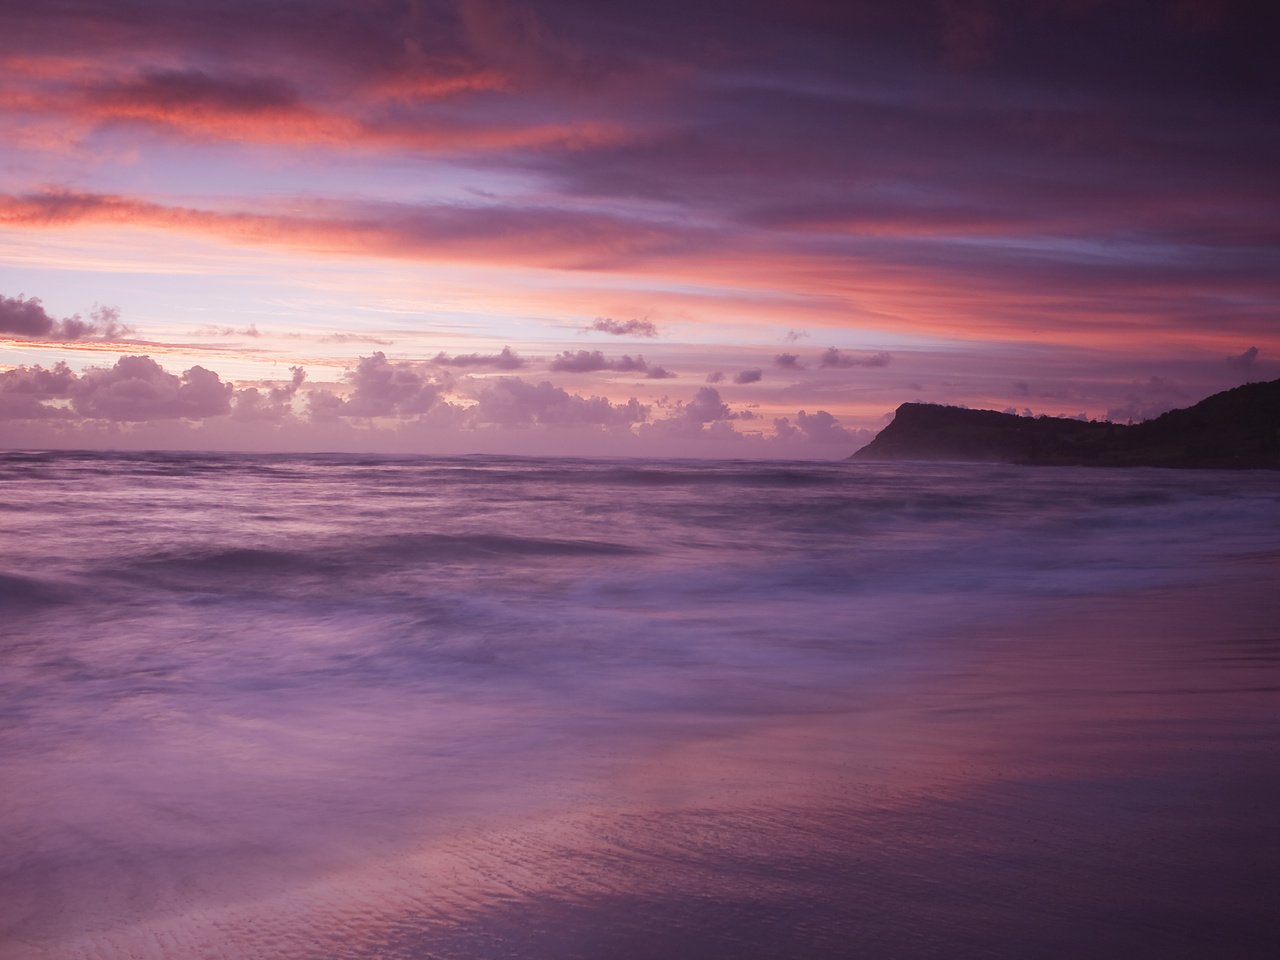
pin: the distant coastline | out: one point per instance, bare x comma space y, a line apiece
1235, 429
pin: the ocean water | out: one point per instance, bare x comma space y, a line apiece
333, 707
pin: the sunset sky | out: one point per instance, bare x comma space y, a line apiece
708, 228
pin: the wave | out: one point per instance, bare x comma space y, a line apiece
330, 558
465, 546
18, 592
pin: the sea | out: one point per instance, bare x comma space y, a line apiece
490, 707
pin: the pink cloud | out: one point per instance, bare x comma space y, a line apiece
27, 318
635, 327
138, 388
590, 361
512, 402
505, 359
832, 357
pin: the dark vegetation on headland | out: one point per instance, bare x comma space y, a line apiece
1238, 428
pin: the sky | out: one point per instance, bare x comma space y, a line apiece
603, 228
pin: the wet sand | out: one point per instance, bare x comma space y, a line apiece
1097, 779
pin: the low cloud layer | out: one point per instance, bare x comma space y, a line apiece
134, 389
511, 402
383, 404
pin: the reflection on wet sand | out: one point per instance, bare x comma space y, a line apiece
1098, 780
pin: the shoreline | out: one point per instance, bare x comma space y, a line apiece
1095, 779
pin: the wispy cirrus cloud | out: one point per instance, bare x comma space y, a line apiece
532, 236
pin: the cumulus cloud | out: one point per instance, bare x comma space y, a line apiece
23, 317
1146, 400
1244, 361
707, 407
26, 318
634, 327
748, 376
383, 388
273, 403
818, 427
788, 361
506, 359
716, 377
704, 418
324, 406
138, 388
513, 402
794, 335
24, 390
385, 404
589, 361
37, 381
832, 357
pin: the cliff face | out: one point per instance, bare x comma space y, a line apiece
1235, 429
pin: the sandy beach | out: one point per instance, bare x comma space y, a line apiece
1097, 781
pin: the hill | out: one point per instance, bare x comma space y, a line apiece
1237, 428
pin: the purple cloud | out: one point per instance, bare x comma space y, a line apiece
24, 390
822, 427
589, 361
138, 388
272, 403
355, 338
27, 318
173, 90
707, 407
831, 357
1244, 361
748, 376
1145, 401
506, 359
788, 361
624, 328
215, 331
512, 402
384, 388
